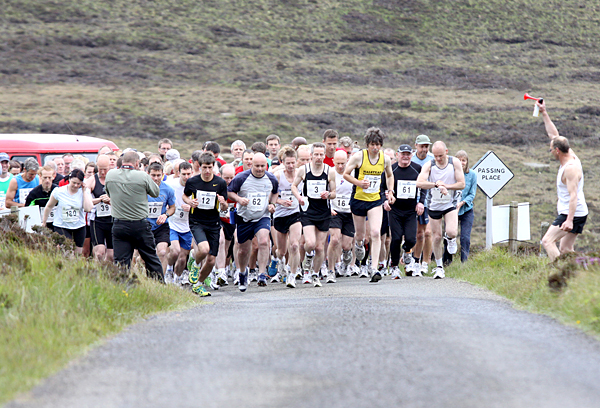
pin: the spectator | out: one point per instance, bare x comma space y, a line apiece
68, 158
21, 185
5, 178
60, 166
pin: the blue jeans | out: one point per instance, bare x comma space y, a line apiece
466, 224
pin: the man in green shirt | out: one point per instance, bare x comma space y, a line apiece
128, 189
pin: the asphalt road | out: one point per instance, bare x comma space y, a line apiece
409, 343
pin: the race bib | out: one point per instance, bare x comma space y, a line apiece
406, 190
374, 184
70, 214
438, 198
225, 213
257, 201
23, 193
288, 196
102, 210
50, 216
180, 216
154, 209
315, 188
341, 203
206, 199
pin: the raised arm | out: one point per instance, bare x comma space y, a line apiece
550, 128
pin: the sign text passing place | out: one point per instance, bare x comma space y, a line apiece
492, 174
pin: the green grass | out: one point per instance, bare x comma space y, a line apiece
53, 308
524, 279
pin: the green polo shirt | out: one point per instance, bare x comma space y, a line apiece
128, 191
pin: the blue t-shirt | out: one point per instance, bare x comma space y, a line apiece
166, 196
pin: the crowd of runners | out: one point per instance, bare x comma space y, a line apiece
276, 214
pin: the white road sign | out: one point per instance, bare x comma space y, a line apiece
492, 174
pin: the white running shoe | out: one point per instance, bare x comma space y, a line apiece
252, 275
307, 263
281, 267
324, 269
299, 273
306, 278
276, 278
236, 277
184, 279
352, 270
364, 271
439, 273
347, 257
169, 277
452, 247
417, 271
290, 281
396, 273
222, 277
316, 281
331, 277
340, 269
424, 268
359, 251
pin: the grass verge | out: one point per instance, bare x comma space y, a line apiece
54, 306
567, 289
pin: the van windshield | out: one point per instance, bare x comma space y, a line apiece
91, 156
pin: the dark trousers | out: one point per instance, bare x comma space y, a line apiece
402, 225
131, 235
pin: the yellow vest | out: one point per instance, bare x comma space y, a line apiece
372, 172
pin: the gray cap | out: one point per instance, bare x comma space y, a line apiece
172, 154
423, 139
4, 157
404, 148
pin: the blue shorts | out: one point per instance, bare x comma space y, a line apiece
423, 218
247, 230
360, 207
184, 238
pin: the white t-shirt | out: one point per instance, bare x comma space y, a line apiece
69, 212
180, 220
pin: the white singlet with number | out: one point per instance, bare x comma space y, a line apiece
102, 210
23, 193
438, 198
288, 196
374, 184
180, 215
206, 199
341, 204
70, 214
314, 188
154, 209
50, 216
257, 201
407, 189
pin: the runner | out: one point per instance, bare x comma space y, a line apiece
424, 244
237, 149
255, 192
341, 228
40, 195
159, 210
71, 202
404, 204
273, 146
247, 157
227, 231
164, 145
206, 194
5, 178
330, 139
286, 218
319, 187
445, 179
68, 159
366, 198
22, 184
101, 222
571, 206
180, 234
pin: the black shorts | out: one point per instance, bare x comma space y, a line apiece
344, 222
283, 224
101, 234
385, 223
361, 208
162, 234
321, 224
423, 219
209, 233
578, 223
228, 230
88, 232
437, 215
77, 235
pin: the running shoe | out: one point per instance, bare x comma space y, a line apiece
236, 277
212, 281
452, 247
169, 277
375, 277
417, 272
396, 273
299, 273
276, 278
439, 273
184, 279
190, 262
272, 269
316, 281
222, 277
409, 265
331, 277
353, 269
359, 251
306, 278
364, 271
340, 269
194, 273
424, 268
262, 280
200, 290
347, 256
253, 275
307, 263
290, 281
323, 271
243, 279
281, 267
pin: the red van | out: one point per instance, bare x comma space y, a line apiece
45, 147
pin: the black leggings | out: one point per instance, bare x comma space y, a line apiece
402, 225
77, 235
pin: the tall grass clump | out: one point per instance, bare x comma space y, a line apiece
567, 289
54, 305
